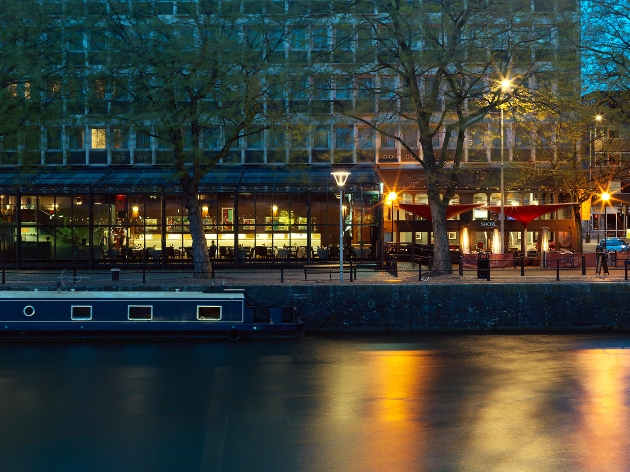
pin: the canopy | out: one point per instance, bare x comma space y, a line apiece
424, 210
525, 214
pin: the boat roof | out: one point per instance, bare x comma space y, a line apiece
228, 294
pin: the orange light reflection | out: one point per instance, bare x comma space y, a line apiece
602, 435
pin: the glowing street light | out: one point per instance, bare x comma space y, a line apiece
391, 198
506, 86
341, 178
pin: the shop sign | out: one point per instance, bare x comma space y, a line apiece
488, 224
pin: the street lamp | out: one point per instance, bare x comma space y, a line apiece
605, 198
506, 84
391, 198
340, 178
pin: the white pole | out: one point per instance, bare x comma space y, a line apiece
340, 233
501, 215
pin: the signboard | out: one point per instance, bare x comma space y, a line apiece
586, 210
614, 186
388, 156
625, 185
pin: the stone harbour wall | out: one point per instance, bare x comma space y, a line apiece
452, 307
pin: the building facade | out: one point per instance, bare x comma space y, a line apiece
88, 186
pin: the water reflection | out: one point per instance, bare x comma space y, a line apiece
372, 403
601, 434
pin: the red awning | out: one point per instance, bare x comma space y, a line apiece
425, 211
525, 214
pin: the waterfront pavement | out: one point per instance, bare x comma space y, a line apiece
407, 274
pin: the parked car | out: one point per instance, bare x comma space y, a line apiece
612, 244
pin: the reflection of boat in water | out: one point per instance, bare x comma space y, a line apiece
92, 314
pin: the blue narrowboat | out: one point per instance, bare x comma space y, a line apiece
218, 313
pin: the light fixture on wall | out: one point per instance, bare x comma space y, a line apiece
204, 211
134, 211
79, 201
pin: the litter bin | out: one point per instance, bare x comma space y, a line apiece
115, 275
483, 267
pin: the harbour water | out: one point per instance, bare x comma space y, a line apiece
342, 403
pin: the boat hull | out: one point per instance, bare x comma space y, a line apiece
222, 314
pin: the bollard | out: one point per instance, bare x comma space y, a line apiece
115, 275
522, 265
558, 269
395, 267
420, 270
461, 265
4, 280
625, 268
351, 269
282, 274
74, 273
488, 279
583, 265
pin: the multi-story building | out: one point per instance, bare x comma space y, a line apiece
90, 187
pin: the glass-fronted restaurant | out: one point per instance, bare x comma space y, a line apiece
96, 215
99, 215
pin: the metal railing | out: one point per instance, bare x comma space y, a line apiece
481, 268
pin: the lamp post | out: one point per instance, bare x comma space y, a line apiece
505, 87
605, 198
391, 198
340, 178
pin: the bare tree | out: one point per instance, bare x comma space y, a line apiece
438, 66
205, 74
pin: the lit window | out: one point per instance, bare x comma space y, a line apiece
98, 138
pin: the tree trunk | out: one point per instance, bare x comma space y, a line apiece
577, 218
202, 269
441, 254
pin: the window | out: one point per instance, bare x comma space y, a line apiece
410, 136
75, 40
388, 141
164, 140
121, 138
276, 138
366, 137
298, 40
53, 138
255, 141
209, 313
212, 138
476, 134
343, 88
388, 88
321, 137
98, 138
81, 312
140, 312
344, 137
143, 140
75, 138
298, 137
320, 38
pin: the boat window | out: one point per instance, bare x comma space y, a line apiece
209, 313
140, 312
81, 312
